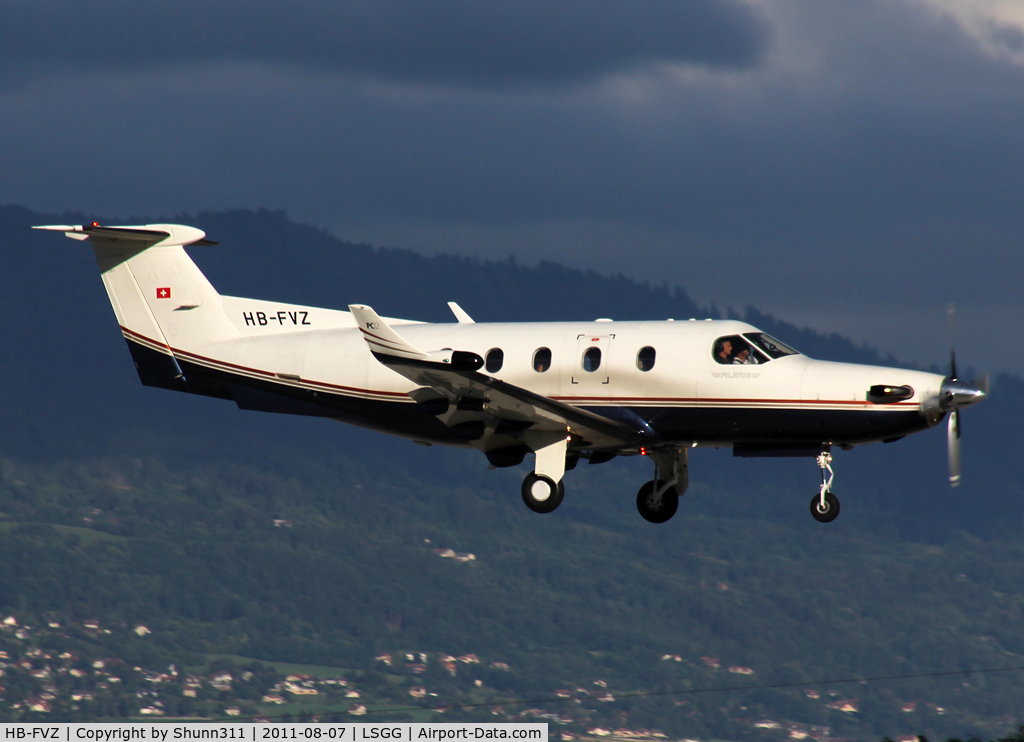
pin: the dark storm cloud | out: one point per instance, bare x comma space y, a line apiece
866, 166
447, 42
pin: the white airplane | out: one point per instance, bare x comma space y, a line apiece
563, 391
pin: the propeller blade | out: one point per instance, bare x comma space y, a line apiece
982, 383
953, 433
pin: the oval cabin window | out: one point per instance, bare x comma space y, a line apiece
645, 358
592, 359
495, 359
542, 360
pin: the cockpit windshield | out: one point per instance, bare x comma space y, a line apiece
770, 345
752, 348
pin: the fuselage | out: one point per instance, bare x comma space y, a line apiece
662, 376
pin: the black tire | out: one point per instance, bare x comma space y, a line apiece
660, 510
831, 511
535, 498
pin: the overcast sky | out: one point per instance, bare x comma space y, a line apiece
852, 166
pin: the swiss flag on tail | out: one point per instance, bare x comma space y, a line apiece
164, 293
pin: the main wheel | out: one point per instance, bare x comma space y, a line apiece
657, 509
831, 510
541, 494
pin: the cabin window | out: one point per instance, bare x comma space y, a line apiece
735, 350
495, 359
541, 360
592, 359
645, 358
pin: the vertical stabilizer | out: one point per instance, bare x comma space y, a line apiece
163, 302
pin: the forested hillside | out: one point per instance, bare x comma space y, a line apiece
331, 562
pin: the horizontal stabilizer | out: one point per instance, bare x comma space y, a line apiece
154, 234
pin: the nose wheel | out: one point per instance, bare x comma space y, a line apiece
825, 505
825, 510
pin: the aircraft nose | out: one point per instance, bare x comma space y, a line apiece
954, 394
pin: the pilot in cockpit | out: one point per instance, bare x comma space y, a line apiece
744, 357
735, 350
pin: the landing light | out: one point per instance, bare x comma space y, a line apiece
888, 393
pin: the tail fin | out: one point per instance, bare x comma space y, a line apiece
162, 300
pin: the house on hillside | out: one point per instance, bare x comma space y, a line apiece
849, 706
38, 705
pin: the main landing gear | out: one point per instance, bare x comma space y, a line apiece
541, 494
825, 505
658, 500
543, 489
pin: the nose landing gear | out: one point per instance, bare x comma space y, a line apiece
825, 505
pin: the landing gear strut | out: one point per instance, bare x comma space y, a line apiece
658, 500
825, 505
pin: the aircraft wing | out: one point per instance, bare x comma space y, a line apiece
512, 410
